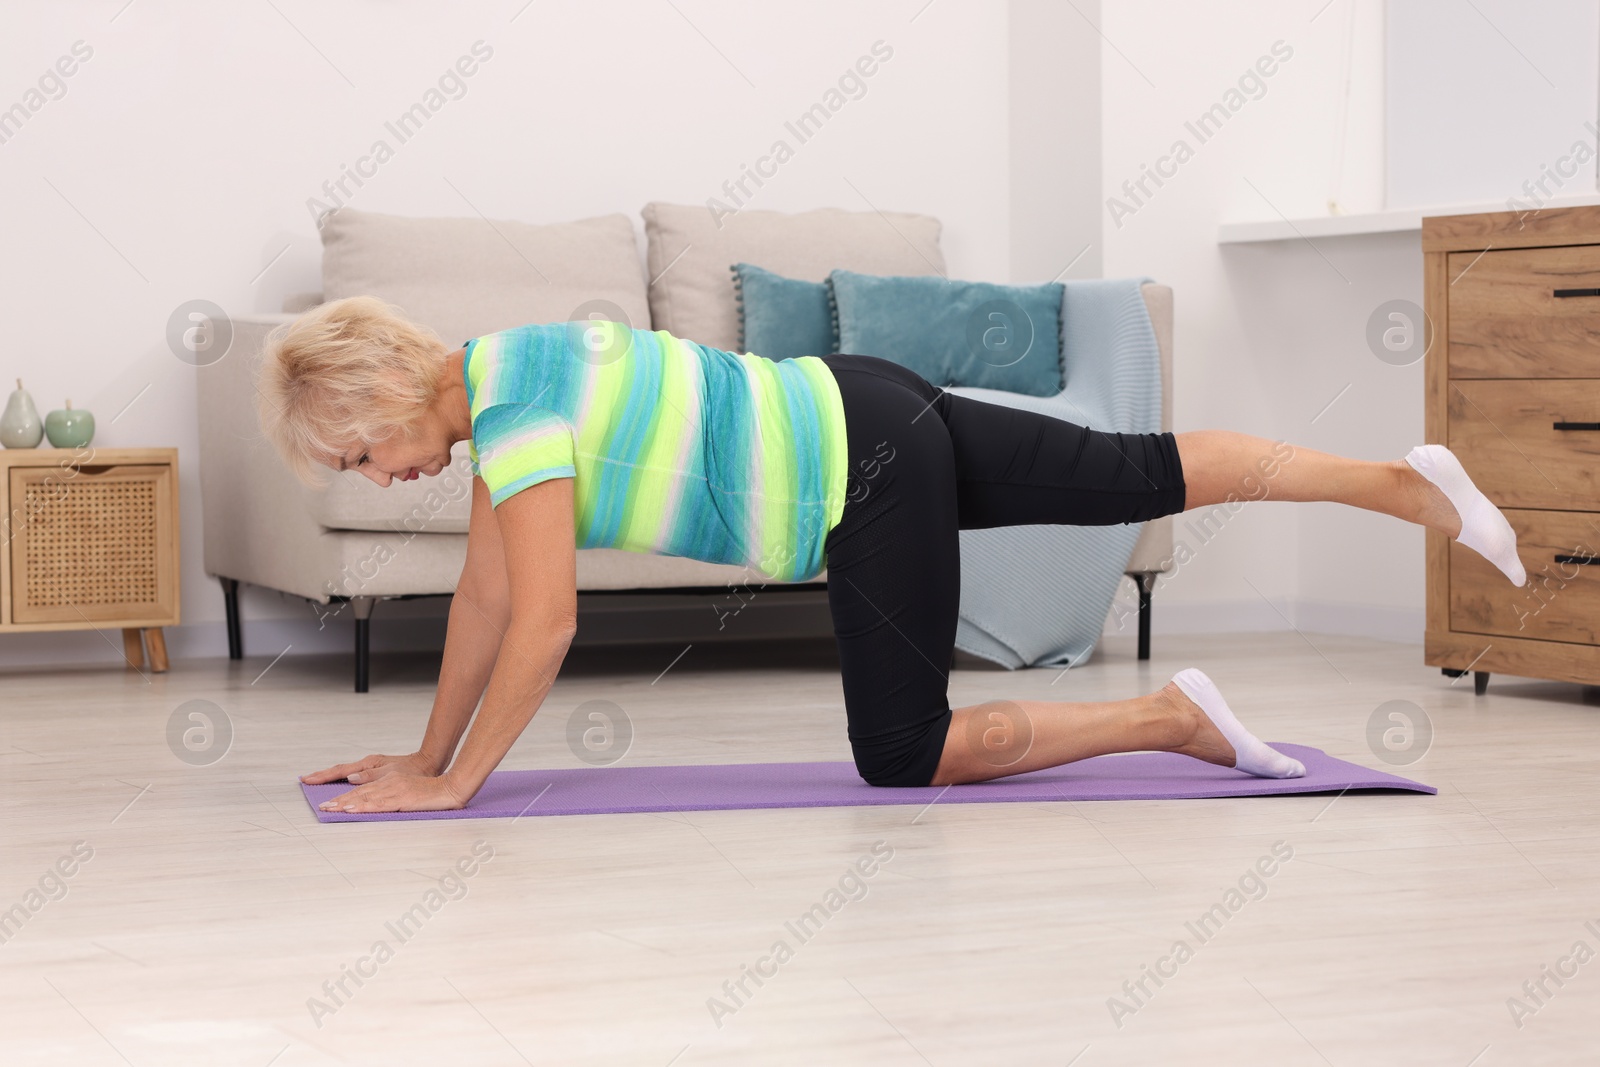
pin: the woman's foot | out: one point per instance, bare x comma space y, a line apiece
1201, 738
1451, 503
1216, 735
1430, 507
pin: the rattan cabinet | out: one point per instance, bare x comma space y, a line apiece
1513, 389
91, 542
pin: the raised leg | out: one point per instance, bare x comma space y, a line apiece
230, 600
157, 642
1219, 465
363, 612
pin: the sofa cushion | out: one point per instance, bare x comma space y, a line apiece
466, 277
1005, 337
782, 318
469, 276
690, 251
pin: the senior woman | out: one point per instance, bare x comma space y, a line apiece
593, 434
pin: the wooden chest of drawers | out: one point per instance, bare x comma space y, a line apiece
1513, 389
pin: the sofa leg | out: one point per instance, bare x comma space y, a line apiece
1146, 582
363, 611
230, 600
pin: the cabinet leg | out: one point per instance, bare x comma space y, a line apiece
156, 642
133, 648
1451, 672
1480, 682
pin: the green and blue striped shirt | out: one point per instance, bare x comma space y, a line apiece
676, 448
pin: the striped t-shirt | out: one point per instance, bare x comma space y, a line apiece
675, 448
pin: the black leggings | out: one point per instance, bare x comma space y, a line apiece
925, 463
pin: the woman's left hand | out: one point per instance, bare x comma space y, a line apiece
399, 792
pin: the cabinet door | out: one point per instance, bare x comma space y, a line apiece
1529, 442
1525, 313
93, 544
1561, 602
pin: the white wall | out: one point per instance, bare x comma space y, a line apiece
1268, 335
1486, 98
1055, 140
178, 164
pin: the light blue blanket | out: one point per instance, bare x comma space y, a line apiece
1037, 596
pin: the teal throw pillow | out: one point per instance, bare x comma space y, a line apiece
1005, 337
782, 317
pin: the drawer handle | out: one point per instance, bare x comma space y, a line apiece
1563, 293
1577, 559
1575, 426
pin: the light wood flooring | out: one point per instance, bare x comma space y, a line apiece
214, 907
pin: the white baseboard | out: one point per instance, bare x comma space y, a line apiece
262, 638
1403, 625
411, 628
419, 626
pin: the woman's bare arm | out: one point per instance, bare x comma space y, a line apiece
537, 535
537, 530
479, 615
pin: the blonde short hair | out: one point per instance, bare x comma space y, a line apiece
353, 371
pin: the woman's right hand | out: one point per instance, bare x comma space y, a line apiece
372, 768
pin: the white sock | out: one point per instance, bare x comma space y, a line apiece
1483, 528
1251, 754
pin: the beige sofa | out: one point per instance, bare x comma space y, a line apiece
354, 544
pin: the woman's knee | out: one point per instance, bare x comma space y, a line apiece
1153, 460
909, 761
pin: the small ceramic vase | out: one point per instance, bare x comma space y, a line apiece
69, 428
19, 425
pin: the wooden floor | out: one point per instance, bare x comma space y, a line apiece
212, 910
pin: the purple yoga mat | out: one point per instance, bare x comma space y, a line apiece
606, 790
